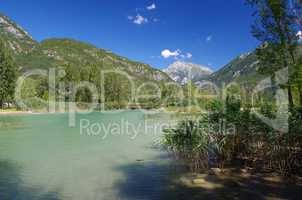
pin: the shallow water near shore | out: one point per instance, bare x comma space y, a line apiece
41, 157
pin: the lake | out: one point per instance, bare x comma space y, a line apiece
105, 156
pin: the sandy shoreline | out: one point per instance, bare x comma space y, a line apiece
18, 113
14, 112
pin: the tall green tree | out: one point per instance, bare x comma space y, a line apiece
276, 27
8, 75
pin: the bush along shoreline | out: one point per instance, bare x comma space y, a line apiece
230, 135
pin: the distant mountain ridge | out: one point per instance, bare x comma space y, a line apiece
241, 69
54, 52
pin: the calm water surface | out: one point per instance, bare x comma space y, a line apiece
41, 157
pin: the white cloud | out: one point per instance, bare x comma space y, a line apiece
151, 7
176, 54
167, 53
209, 38
189, 55
138, 19
299, 35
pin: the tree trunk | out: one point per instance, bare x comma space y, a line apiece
300, 94
274, 85
290, 98
290, 94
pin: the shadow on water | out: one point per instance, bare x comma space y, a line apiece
12, 187
144, 181
154, 181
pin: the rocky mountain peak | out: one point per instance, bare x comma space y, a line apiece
182, 72
18, 40
9, 27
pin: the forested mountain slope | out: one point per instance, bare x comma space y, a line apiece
54, 52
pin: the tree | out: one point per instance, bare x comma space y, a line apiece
276, 28
8, 75
296, 78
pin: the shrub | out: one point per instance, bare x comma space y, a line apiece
206, 141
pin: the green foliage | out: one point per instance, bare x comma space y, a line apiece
276, 27
233, 107
85, 62
8, 75
229, 133
190, 142
34, 95
215, 106
268, 109
295, 121
117, 90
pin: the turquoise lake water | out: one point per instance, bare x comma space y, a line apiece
105, 156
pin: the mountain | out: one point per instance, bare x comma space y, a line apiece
242, 69
181, 72
30, 54
16, 37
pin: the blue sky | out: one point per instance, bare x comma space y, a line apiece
157, 32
